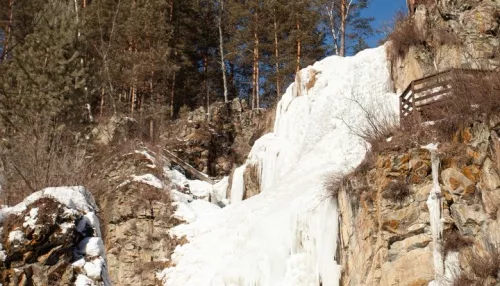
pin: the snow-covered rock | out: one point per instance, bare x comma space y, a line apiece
51, 236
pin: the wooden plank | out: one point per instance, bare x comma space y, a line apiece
188, 168
448, 90
432, 86
426, 105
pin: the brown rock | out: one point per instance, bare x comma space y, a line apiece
456, 182
489, 176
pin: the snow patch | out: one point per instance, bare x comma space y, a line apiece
30, 219
16, 236
91, 246
238, 185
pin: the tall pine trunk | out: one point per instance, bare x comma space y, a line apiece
221, 48
7, 34
277, 54
205, 77
172, 96
343, 20
299, 48
255, 94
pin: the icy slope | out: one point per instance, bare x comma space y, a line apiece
287, 234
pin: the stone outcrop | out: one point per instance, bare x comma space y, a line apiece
386, 240
216, 143
137, 214
460, 34
53, 238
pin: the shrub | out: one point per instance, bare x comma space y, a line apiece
486, 263
405, 35
480, 266
41, 155
464, 280
396, 191
454, 241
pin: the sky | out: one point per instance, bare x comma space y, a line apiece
383, 11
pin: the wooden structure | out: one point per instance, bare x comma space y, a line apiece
188, 168
428, 94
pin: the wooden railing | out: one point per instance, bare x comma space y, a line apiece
431, 92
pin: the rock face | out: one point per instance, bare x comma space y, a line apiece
137, 214
386, 239
52, 238
460, 34
217, 143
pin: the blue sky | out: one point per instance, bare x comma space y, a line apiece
383, 11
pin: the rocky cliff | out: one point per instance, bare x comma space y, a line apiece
451, 34
385, 225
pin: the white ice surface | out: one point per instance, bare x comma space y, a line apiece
286, 236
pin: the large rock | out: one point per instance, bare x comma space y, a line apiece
137, 214
489, 176
52, 238
457, 183
415, 268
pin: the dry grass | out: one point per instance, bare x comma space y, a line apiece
454, 242
405, 35
39, 156
480, 267
396, 191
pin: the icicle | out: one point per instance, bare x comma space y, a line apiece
435, 212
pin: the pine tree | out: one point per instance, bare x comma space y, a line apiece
44, 77
347, 27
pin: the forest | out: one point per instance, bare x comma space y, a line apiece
156, 56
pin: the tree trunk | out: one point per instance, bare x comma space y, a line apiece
84, 3
7, 34
333, 27
101, 110
343, 20
172, 95
207, 92
254, 74
221, 48
132, 99
299, 49
277, 54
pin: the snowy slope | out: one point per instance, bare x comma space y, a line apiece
287, 234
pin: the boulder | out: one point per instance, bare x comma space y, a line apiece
489, 176
457, 183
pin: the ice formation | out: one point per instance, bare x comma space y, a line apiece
434, 204
287, 234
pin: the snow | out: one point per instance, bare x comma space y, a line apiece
200, 189
219, 192
148, 179
94, 268
3, 255
89, 219
30, 219
238, 185
286, 235
76, 197
16, 236
91, 246
189, 212
77, 201
82, 280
